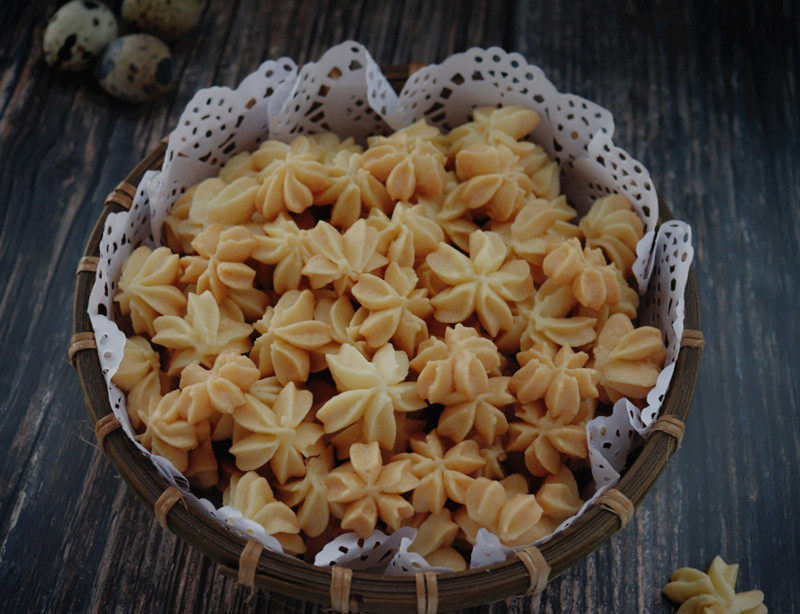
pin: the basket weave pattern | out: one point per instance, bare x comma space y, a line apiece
342, 589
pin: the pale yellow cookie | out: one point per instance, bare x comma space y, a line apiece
220, 268
397, 309
289, 180
482, 412
627, 359
445, 471
367, 490
712, 592
219, 389
593, 282
495, 126
408, 162
289, 333
434, 540
309, 494
559, 377
482, 283
250, 494
339, 259
492, 183
546, 442
280, 435
215, 201
550, 317
370, 392
352, 189
506, 515
148, 287
200, 336
169, 434
613, 226
138, 376
458, 364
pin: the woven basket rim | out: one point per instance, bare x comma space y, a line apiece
297, 578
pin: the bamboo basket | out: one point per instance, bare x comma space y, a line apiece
335, 587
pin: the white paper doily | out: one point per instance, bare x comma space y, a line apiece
345, 92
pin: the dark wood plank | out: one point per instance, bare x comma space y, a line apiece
704, 94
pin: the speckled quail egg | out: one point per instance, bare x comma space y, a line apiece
135, 68
167, 19
78, 32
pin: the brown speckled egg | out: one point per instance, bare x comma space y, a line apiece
167, 19
78, 32
135, 68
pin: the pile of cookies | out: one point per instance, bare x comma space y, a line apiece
416, 333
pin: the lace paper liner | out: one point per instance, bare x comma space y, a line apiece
345, 92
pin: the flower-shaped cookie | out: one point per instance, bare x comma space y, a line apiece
283, 245
369, 391
593, 282
339, 259
493, 126
309, 494
351, 189
434, 540
444, 473
169, 433
215, 201
550, 316
250, 494
408, 162
425, 233
560, 378
219, 389
558, 498
147, 287
396, 308
613, 226
459, 364
492, 182
712, 592
545, 441
506, 515
289, 182
279, 435
627, 359
482, 283
368, 490
531, 235
288, 333
483, 412
138, 377
201, 335
220, 268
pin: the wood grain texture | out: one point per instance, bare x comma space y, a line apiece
705, 95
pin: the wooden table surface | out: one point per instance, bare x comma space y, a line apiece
706, 96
